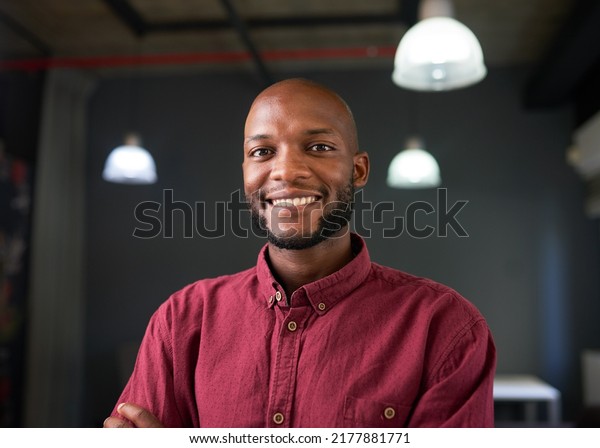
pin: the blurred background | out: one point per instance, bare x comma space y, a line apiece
522, 146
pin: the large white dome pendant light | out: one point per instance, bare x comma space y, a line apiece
130, 164
414, 168
438, 53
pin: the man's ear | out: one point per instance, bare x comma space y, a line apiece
361, 169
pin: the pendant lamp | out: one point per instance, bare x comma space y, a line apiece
130, 164
414, 168
438, 53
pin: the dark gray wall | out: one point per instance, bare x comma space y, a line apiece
20, 99
530, 263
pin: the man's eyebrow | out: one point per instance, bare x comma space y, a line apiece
316, 131
253, 138
320, 131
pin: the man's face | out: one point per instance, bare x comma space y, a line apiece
301, 164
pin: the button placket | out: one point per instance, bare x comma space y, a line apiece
285, 367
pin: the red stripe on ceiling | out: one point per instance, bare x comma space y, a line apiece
195, 58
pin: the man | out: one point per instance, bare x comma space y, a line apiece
315, 335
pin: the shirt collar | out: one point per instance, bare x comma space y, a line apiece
324, 293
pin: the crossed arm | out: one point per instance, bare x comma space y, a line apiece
136, 417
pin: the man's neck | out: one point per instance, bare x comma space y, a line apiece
295, 268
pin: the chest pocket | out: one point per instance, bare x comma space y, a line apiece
363, 413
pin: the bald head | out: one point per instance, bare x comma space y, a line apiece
321, 97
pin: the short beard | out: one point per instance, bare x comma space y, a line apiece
336, 216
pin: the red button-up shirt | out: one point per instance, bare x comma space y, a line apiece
367, 346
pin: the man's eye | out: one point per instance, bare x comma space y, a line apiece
260, 152
321, 147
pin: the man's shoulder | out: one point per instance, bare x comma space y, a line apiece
398, 278
194, 295
226, 280
423, 292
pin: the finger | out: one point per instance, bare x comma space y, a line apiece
140, 417
116, 422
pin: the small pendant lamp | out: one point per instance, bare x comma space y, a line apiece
130, 164
414, 168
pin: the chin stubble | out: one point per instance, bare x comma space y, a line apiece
336, 216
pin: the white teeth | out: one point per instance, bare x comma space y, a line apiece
288, 202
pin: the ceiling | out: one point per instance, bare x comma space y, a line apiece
511, 31
201, 33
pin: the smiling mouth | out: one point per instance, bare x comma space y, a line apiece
293, 202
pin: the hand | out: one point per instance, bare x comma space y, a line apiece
137, 417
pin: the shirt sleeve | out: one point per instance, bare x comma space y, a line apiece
151, 384
459, 391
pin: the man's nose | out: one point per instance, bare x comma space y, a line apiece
289, 165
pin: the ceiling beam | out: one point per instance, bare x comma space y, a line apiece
276, 22
128, 15
574, 53
406, 14
25, 34
242, 31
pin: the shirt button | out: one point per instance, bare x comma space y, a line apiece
270, 300
292, 326
278, 418
278, 296
321, 306
389, 413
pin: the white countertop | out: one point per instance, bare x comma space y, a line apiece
523, 387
